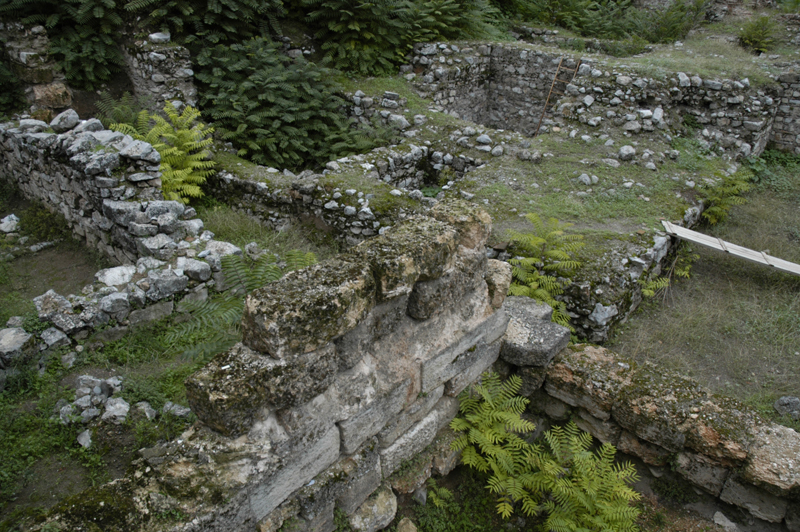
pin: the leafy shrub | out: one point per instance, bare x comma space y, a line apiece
181, 140
83, 35
758, 35
223, 314
546, 259
11, 97
212, 21
668, 24
625, 48
576, 489
275, 110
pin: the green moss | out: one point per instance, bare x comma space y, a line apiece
109, 508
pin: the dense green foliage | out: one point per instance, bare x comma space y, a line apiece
758, 35
575, 489
276, 110
181, 140
124, 110
211, 21
223, 314
544, 261
83, 35
11, 97
618, 19
719, 198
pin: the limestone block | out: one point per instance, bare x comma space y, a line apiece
648, 452
154, 209
440, 295
55, 95
445, 459
412, 475
702, 472
605, 431
469, 366
366, 424
532, 379
792, 519
195, 269
114, 303
14, 343
311, 455
590, 378
528, 341
758, 502
409, 416
121, 212
65, 121
228, 392
376, 513
116, 276
774, 460
53, 338
408, 445
472, 224
437, 369
139, 318
420, 249
498, 279
363, 477
165, 283
308, 308
141, 151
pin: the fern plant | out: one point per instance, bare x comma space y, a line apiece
586, 491
223, 314
489, 422
719, 198
546, 258
182, 140
575, 489
12, 97
122, 110
651, 287
758, 35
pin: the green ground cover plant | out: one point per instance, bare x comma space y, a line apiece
573, 488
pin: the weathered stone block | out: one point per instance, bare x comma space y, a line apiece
308, 308
437, 370
439, 295
648, 452
473, 224
605, 431
419, 249
227, 393
15, 343
309, 458
363, 477
532, 379
774, 444
498, 279
702, 472
366, 424
376, 513
142, 317
408, 445
758, 502
410, 416
467, 367
528, 341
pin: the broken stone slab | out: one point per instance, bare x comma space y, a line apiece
758, 502
229, 391
498, 279
15, 343
308, 308
473, 225
51, 303
530, 341
439, 295
142, 317
117, 410
9, 224
773, 445
117, 276
222, 248
422, 248
176, 410
53, 338
376, 513
702, 472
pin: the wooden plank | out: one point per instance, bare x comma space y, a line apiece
737, 251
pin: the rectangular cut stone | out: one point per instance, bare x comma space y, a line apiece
468, 367
648, 452
408, 445
605, 431
774, 459
363, 470
228, 392
410, 416
298, 468
369, 422
437, 369
758, 502
702, 472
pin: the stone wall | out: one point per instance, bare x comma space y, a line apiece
104, 183
27, 52
505, 86
347, 370
786, 130
160, 71
719, 446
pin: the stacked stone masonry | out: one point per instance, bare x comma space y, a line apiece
506, 85
341, 393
